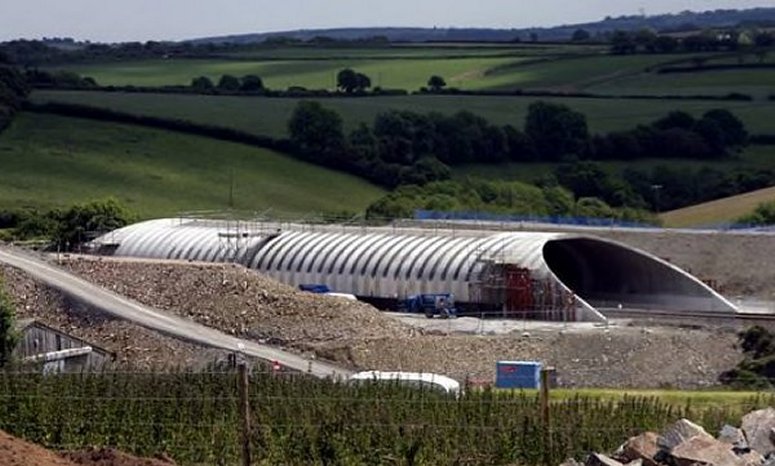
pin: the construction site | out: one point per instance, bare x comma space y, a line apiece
600, 306
526, 274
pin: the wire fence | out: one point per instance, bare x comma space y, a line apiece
196, 418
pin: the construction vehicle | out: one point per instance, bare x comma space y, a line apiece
439, 304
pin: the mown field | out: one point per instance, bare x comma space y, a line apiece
400, 73
269, 116
726, 210
50, 161
569, 68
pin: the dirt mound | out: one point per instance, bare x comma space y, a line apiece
17, 452
134, 346
241, 302
111, 457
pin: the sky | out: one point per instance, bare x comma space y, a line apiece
141, 20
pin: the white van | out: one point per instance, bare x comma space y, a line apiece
414, 379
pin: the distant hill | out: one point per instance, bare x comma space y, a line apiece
685, 21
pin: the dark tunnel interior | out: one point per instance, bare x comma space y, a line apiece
607, 275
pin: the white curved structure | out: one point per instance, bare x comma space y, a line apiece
503, 271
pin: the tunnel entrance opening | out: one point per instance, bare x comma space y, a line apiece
609, 275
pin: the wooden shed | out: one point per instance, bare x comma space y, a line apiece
56, 351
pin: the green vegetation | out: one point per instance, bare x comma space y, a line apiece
50, 161
281, 74
269, 116
728, 210
757, 370
8, 335
763, 215
193, 417
512, 198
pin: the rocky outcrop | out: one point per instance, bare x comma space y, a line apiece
685, 443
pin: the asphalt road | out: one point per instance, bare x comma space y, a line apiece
123, 308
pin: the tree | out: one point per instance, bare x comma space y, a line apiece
202, 84
436, 83
556, 130
732, 127
317, 132
229, 83
251, 83
622, 43
676, 119
81, 222
580, 35
350, 81
8, 335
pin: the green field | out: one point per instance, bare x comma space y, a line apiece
48, 161
269, 116
756, 157
727, 210
402, 73
759, 83
559, 68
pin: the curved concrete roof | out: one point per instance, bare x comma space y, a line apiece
383, 263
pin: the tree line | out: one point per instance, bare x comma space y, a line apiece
648, 41
13, 92
403, 147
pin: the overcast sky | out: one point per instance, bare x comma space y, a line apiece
125, 20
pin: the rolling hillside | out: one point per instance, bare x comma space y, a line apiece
269, 116
719, 212
49, 161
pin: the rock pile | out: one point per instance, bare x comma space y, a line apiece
241, 302
687, 444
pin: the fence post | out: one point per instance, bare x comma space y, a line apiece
545, 414
243, 384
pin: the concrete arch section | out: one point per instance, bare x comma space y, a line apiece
522, 275
607, 274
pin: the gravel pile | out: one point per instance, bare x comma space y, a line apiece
353, 334
134, 346
620, 358
241, 302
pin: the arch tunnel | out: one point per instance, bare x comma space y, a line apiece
509, 272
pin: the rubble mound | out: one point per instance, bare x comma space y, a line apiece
241, 302
134, 346
112, 457
17, 452
686, 444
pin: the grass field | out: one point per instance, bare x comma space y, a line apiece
678, 398
475, 68
401, 73
721, 211
759, 83
752, 157
269, 116
48, 161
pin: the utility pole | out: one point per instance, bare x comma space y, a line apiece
243, 384
546, 413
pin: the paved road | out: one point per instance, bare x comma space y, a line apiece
126, 309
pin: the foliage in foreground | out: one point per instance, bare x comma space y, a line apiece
763, 215
8, 335
757, 370
193, 417
69, 227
